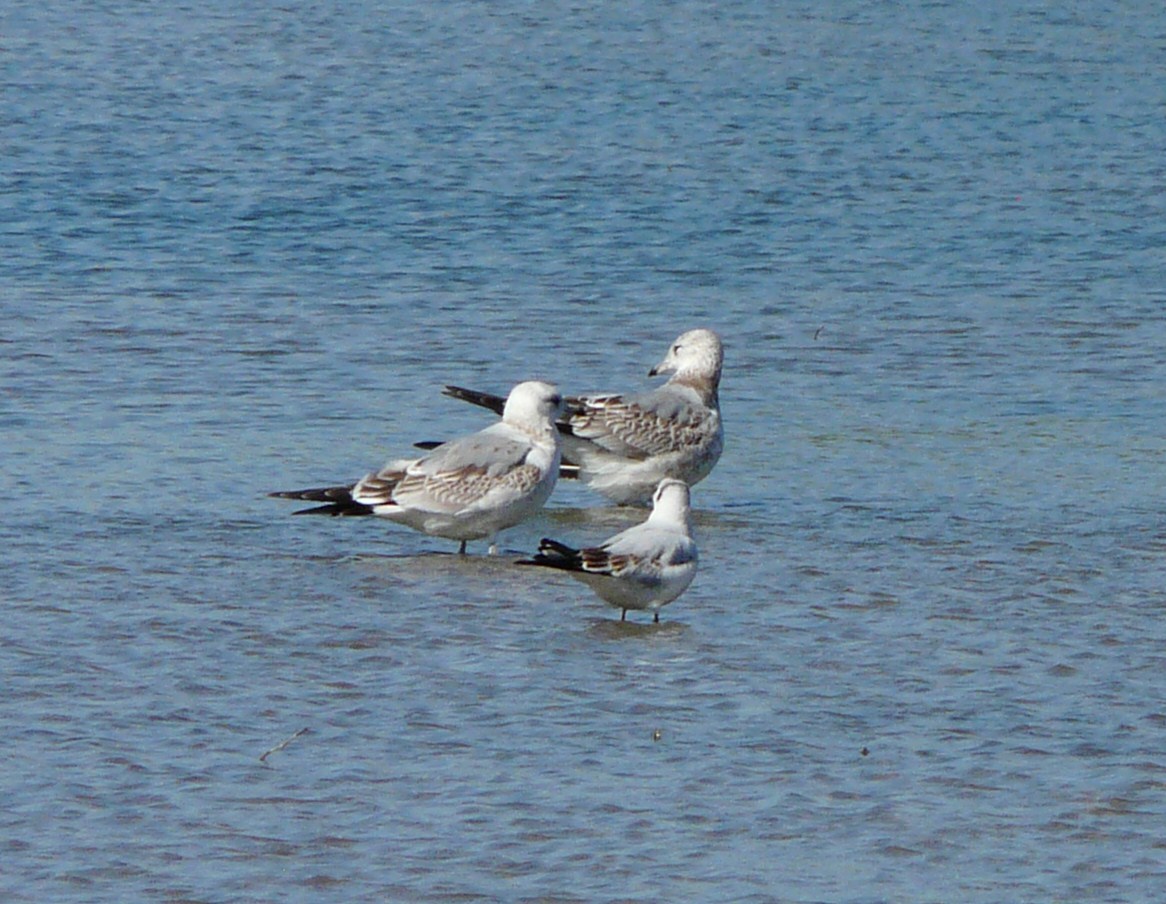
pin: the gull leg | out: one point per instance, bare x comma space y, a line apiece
656, 619
623, 616
461, 550
493, 551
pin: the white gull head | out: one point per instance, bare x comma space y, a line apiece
670, 504
694, 358
533, 406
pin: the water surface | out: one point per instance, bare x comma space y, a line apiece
244, 248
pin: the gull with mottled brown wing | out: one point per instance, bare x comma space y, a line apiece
643, 567
623, 445
469, 488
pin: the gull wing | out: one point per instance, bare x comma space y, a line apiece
458, 474
642, 425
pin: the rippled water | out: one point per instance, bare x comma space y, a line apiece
244, 248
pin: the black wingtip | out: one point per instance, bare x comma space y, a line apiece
338, 509
553, 554
337, 501
317, 494
495, 403
546, 544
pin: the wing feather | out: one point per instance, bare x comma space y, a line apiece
462, 473
638, 427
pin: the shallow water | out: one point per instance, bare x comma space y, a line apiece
923, 657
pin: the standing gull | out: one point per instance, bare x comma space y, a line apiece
468, 488
643, 567
624, 445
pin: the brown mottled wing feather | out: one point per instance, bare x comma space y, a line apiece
598, 560
636, 427
461, 473
378, 488
454, 490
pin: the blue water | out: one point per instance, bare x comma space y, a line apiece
243, 248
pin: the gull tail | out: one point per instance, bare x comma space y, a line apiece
483, 399
338, 501
553, 554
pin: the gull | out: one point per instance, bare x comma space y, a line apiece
643, 567
468, 488
624, 445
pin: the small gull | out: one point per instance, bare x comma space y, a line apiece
643, 567
468, 488
624, 445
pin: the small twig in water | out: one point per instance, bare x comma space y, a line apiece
282, 744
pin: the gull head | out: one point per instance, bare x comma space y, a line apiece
697, 353
533, 404
671, 501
